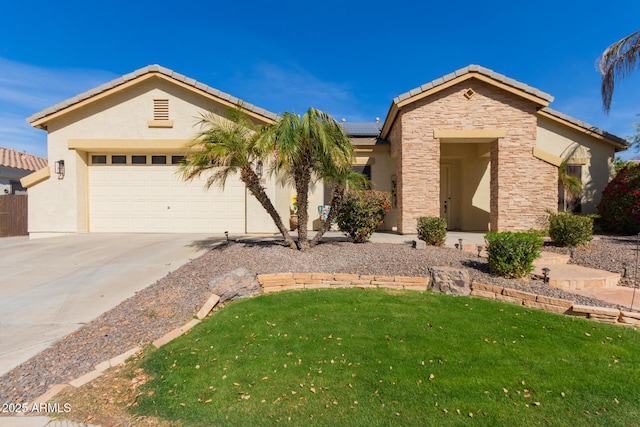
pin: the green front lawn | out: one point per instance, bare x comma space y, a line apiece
353, 357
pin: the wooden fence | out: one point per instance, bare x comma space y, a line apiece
13, 215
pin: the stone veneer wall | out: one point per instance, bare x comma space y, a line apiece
298, 281
522, 186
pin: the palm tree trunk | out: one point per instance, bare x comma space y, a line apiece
302, 190
249, 177
337, 195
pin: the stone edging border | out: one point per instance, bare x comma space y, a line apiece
298, 281
294, 281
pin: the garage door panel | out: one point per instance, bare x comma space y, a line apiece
136, 199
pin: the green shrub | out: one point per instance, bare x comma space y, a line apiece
567, 229
361, 213
432, 230
512, 254
619, 206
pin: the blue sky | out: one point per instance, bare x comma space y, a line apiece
349, 58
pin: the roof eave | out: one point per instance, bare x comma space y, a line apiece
618, 143
39, 120
498, 80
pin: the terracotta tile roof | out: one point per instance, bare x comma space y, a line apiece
15, 159
140, 72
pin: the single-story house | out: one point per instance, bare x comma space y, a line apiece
475, 147
15, 165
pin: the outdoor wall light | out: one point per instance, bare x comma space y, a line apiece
479, 250
59, 168
545, 274
259, 168
625, 267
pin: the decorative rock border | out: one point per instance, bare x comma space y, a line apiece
297, 281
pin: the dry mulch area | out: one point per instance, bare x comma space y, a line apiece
173, 300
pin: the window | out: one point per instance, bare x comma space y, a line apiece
139, 160
119, 159
364, 170
176, 160
99, 159
568, 202
158, 160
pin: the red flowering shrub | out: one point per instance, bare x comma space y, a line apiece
619, 206
361, 213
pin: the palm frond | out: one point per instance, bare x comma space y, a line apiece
617, 62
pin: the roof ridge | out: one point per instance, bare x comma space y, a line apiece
153, 68
473, 68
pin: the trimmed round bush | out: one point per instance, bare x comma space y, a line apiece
512, 254
361, 213
433, 230
566, 229
619, 206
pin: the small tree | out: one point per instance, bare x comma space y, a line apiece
361, 213
228, 145
619, 207
307, 149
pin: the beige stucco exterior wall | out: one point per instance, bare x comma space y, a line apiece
522, 187
595, 156
59, 206
383, 168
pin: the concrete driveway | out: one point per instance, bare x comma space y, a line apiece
50, 287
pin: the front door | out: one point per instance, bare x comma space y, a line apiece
445, 193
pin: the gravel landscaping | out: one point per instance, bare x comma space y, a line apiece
173, 300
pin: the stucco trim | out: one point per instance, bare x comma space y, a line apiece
36, 177
361, 161
127, 145
469, 133
547, 157
160, 123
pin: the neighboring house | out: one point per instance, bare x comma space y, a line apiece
15, 165
475, 147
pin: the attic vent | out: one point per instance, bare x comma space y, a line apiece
469, 93
160, 114
160, 109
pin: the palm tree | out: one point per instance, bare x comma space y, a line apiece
616, 62
225, 146
307, 149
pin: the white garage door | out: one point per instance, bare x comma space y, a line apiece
154, 199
